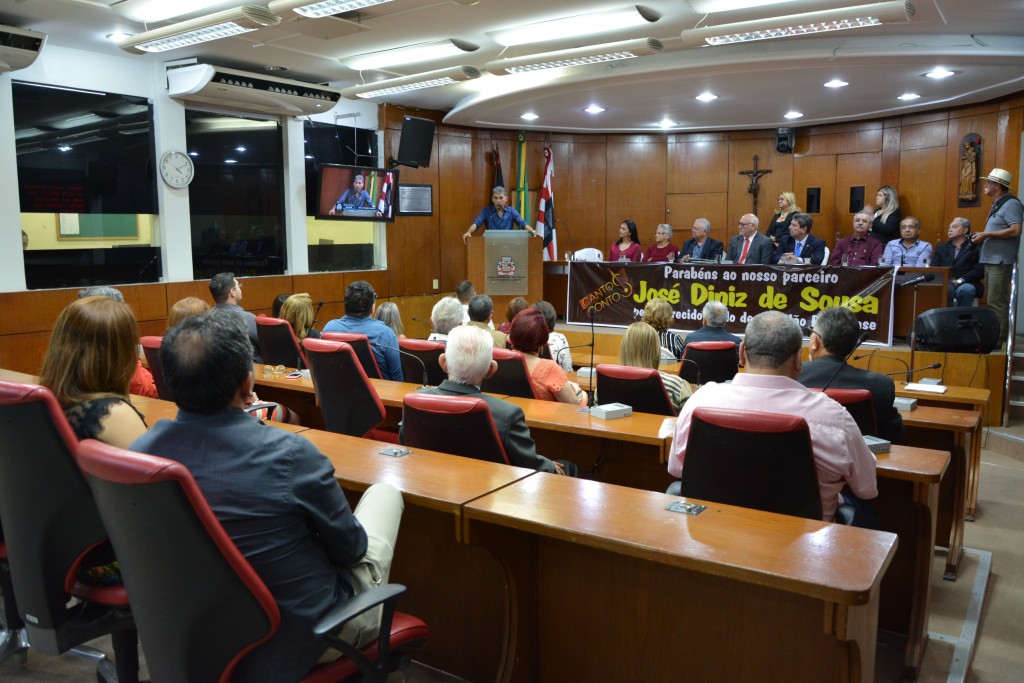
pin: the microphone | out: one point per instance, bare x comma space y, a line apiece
695, 364
933, 366
568, 234
860, 340
316, 313
403, 352
566, 348
923, 277
895, 358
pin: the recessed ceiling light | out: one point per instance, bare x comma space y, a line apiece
193, 154
530, 116
64, 148
239, 149
908, 96
707, 97
230, 161
309, 156
667, 123
594, 109
836, 83
118, 37
793, 115
939, 72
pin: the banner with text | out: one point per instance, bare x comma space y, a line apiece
615, 293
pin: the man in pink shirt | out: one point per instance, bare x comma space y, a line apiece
770, 351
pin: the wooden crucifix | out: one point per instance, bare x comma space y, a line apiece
755, 175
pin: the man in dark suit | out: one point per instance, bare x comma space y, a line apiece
715, 316
468, 362
834, 335
960, 254
700, 246
800, 244
750, 246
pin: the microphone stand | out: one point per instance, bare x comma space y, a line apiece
403, 352
696, 365
590, 312
860, 340
933, 366
316, 313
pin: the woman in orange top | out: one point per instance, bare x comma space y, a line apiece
529, 334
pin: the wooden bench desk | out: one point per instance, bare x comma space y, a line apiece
607, 585
154, 409
15, 376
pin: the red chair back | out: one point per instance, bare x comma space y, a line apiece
278, 343
151, 350
512, 377
460, 425
639, 388
428, 352
348, 402
861, 406
712, 361
361, 345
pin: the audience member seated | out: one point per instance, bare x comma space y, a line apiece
511, 310
359, 304
481, 312
658, 314
640, 349
558, 345
467, 360
714, 316
750, 247
800, 244
297, 531
446, 316
89, 365
909, 249
389, 314
529, 334
834, 336
860, 248
961, 255
298, 311
662, 250
227, 294
886, 220
464, 292
778, 226
770, 352
701, 246
627, 247
142, 381
186, 308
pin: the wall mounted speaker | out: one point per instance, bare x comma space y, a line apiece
957, 330
785, 140
416, 143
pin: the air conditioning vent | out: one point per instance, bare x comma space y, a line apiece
19, 47
249, 92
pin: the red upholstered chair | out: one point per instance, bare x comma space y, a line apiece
639, 388
750, 459
278, 343
512, 378
361, 345
460, 425
430, 372
861, 406
52, 529
151, 349
348, 402
712, 361
199, 604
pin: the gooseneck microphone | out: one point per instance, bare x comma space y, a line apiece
909, 373
405, 353
895, 358
860, 340
923, 277
566, 348
568, 234
695, 364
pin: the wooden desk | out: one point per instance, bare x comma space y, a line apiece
153, 410
607, 585
967, 398
947, 429
459, 590
14, 376
581, 359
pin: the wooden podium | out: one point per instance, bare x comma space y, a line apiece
479, 270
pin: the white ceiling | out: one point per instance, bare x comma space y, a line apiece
982, 41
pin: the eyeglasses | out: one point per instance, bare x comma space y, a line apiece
743, 225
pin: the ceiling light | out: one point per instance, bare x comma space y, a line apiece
309, 156
793, 115
193, 154
707, 97
666, 123
214, 26
158, 10
594, 109
897, 11
575, 26
939, 72
530, 116
64, 148
712, 6
325, 8
422, 52
836, 83
430, 79
118, 37
239, 149
230, 161
908, 96
594, 54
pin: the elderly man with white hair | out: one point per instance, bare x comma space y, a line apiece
446, 315
715, 315
701, 246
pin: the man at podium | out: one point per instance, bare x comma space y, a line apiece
498, 216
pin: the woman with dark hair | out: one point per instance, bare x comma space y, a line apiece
89, 365
886, 225
529, 334
558, 345
513, 308
627, 247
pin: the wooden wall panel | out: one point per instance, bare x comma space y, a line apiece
24, 352
413, 242
33, 311
820, 172
636, 187
932, 134
853, 170
176, 291
684, 209
865, 137
581, 185
697, 167
985, 126
922, 175
741, 158
258, 293
890, 154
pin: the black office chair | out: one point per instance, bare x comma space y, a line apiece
459, 425
151, 350
428, 352
712, 361
360, 343
512, 378
639, 388
278, 343
200, 605
52, 530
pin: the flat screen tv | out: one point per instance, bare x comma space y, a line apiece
356, 193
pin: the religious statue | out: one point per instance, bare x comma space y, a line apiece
969, 172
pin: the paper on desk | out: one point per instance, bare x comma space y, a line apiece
927, 388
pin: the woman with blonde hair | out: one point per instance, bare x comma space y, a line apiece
658, 314
389, 314
529, 334
185, 308
640, 349
886, 225
89, 366
298, 311
779, 225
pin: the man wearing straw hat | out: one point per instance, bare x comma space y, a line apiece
1000, 242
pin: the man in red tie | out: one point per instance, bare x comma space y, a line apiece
750, 246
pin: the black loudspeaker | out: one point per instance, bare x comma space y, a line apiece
785, 140
957, 330
416, 143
